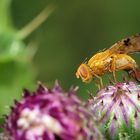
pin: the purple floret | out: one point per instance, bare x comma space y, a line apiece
51, 114
117, 106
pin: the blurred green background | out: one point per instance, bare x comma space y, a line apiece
74, 31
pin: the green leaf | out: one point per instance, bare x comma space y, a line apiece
14, 76
10, 47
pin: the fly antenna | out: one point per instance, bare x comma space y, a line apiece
85, 60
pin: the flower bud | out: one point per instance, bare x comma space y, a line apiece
117, 109
51, 114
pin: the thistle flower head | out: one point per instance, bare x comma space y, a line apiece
51, 114
118, 108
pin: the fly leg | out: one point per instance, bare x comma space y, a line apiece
114, 76
100, 81
113, 67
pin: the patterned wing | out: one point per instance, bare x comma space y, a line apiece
127, 45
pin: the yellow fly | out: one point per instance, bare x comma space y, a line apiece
113, 59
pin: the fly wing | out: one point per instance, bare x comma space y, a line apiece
127, 45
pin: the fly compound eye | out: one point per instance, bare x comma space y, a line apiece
83, 72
